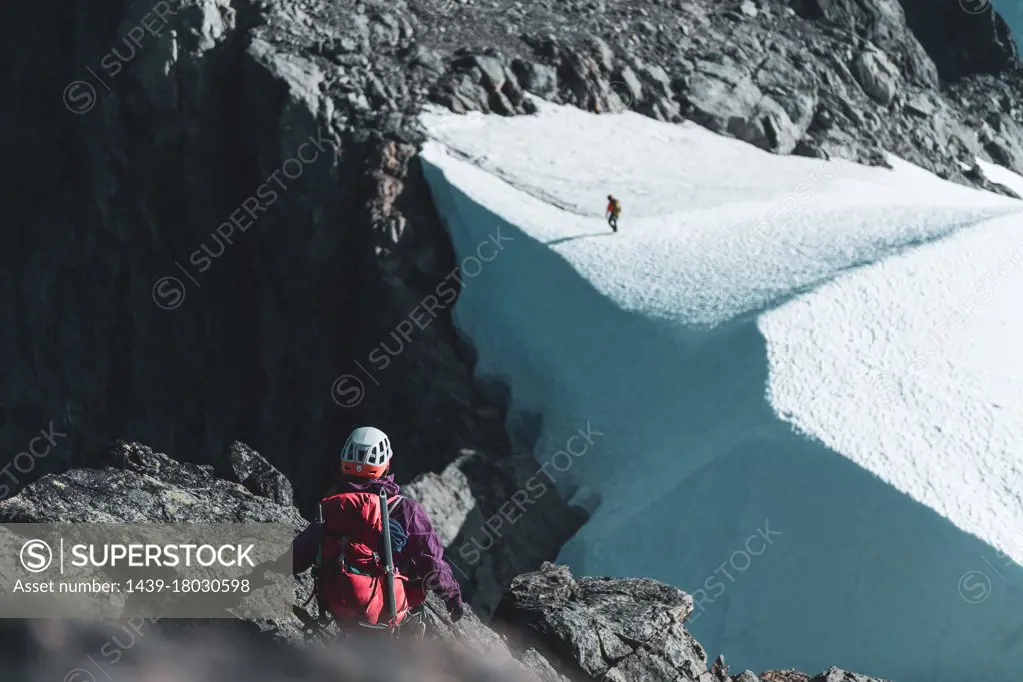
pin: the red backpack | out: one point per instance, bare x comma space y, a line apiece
350, 568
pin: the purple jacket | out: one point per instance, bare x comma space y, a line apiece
422, 557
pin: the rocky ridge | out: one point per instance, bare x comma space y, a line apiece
549, 626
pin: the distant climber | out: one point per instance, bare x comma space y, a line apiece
614, 209
344, 546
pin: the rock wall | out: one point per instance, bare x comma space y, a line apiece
208, 243
936, 83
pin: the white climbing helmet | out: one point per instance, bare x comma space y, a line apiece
366, 454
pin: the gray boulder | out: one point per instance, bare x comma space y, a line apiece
537, 78
1003, 141
746, 676
618, 630
838, 675
725, 98
626, 629
878, 76
244, 465
130, 483
481, 82
788, 675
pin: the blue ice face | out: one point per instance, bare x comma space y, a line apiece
1012, 12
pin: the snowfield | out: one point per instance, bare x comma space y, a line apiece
803, 380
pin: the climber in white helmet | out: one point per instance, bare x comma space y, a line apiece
350, 533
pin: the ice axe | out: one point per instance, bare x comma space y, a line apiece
392, 606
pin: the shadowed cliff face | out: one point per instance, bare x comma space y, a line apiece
1013, 14
198, 251
964, 37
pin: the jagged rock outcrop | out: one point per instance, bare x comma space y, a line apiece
982, 36
619, 630
130, 483
213, 242
242, 464
605, 628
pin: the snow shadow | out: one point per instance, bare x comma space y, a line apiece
796, 556
562, 240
